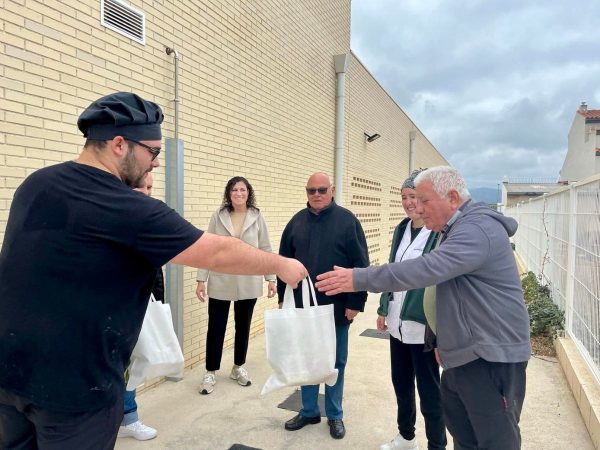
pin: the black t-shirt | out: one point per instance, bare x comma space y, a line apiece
414, 232
77, 265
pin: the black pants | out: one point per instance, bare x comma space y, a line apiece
409, 361
482, 404
24, 426
218, 312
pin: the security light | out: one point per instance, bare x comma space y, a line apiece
372, 137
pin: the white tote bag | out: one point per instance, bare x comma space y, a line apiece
157, 352
300, 342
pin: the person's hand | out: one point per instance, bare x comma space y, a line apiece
351, 313
271, 289
437, 356
201, 291
335, 282
381, 326
280, 305
291, 271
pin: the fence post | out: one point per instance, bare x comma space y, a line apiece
571, 250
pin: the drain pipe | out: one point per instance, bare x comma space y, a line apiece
411, 151
170, 51
174, 198
341, 66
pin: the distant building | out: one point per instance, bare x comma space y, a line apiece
583, 154
519, 190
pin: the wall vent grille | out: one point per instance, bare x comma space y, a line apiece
124, 19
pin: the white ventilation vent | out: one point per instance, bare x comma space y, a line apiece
124, 19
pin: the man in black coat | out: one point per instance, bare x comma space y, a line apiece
321, 236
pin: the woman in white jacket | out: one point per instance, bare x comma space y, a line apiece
402, 314
238, 216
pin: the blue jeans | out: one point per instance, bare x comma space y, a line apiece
130, 414
333, 394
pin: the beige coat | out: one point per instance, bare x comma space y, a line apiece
237, 287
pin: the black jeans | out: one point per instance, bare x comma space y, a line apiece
218, 312
409, 361
482, 404
24, 426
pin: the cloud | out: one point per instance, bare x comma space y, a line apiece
494, 85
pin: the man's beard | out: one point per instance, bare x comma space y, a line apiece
130, 172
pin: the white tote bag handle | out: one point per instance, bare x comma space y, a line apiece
288, 296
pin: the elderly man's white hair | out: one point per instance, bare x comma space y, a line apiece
444, 179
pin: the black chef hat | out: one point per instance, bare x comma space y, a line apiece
121, 114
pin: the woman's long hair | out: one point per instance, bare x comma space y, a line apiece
250, 202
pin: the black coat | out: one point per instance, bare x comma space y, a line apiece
320, 241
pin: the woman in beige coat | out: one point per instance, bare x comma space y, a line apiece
238, 216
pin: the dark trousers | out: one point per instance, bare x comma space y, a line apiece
218, 312
24, 426
410, 362
482, 404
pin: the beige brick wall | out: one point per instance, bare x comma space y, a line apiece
257, 98
376, 170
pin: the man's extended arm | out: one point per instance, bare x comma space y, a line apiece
462, 253
233, 256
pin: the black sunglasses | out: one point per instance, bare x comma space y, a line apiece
154, 151
313, 191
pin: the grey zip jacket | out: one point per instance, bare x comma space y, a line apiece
480, 308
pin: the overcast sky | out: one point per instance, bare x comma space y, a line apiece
493, 84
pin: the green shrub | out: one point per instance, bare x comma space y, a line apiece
530, 287
545, 318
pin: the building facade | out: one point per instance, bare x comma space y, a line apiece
256, 90
583, 153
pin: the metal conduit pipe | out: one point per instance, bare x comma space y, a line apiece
411, 151
174, 198
341, 66
176, 99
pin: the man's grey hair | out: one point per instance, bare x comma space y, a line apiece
444, 179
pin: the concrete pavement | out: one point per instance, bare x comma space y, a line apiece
234, 414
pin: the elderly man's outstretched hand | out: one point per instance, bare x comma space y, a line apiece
334, 282
291, 271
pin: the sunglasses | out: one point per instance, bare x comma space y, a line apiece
154, 151
320, 190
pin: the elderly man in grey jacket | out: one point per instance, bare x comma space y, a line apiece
482, 321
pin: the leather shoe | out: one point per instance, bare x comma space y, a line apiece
337, 430
300, 421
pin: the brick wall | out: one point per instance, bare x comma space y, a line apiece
257, 98
376, 170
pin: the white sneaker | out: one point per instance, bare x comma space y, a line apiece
137, 430
399, 443
241, 375
208, 383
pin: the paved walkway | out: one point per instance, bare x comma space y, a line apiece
234, 414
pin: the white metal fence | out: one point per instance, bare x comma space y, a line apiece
559, 240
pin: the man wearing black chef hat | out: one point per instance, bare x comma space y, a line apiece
79, 257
